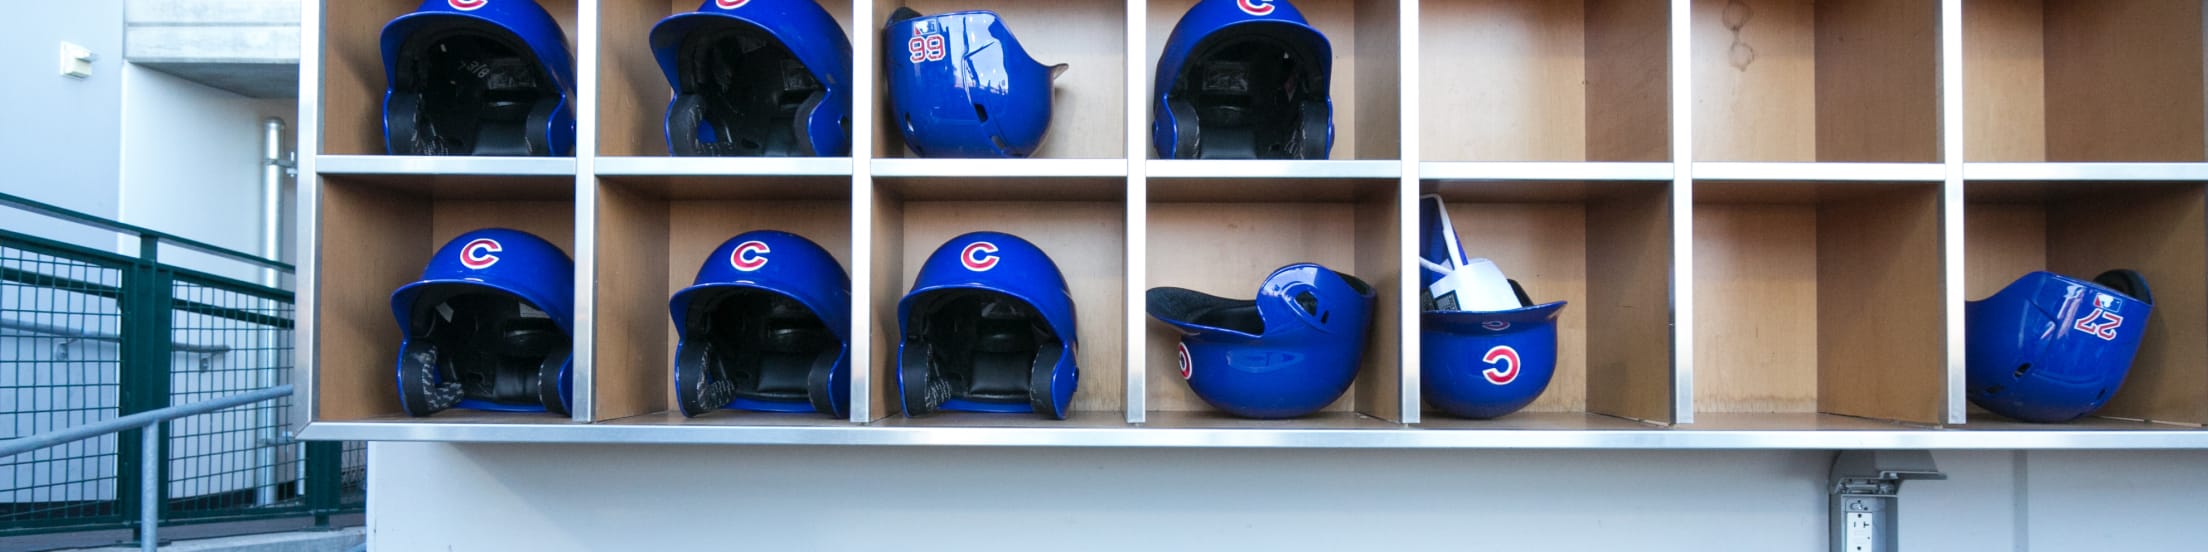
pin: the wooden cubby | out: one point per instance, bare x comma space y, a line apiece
353, 82
1079, 222
1795, 262
2080, 229
632, 90
1604, 248
1819, 297
654, 233
1366, 83
1089, 101
1543, 80
1223, 237
2083, 81
376, 234
1832, 80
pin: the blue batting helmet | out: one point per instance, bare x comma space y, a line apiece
963, 87
2051, 348
477, 77
988, 327
1485, 349
1243, 79
1289, 352
766, 326
488, 326
756, 78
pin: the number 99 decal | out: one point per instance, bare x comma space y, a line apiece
924, 47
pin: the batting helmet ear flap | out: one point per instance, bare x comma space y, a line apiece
423, 389
2128, 282
696, 391
1317, 135
550, 383
1041, 380
819, 381
921, 390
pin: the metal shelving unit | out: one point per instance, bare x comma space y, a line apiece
1696, 209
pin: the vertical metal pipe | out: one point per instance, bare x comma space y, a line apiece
149, 489
273, 166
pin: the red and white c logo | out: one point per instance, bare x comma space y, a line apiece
730, 4
477, 255
979, 256
1187, 368
467, 5
1255, 7
749, 256
1504, 357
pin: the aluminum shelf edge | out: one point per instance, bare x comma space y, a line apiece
2085, 171
1542, 170
1822, 172
1000, 168
427, 165
1271, 168
1157, 435
722, 166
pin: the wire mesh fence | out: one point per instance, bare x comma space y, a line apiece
87, 335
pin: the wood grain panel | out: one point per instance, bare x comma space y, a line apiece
1756, 310
1089, 104
1628, 304
631, 364
2003, 241
2004, 81
1881, 350
2124, 80
1227, 249
1544, 247
2162, 233
1878, 89
1628, 80
1380, 77
1335, 19
1754, 71
380, 236
1379, 385
553, 220
1504, 80
1086, 239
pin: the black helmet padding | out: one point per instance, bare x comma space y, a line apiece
469, 88
742, 94
981, 347
1247, 94
749, 343
473, 343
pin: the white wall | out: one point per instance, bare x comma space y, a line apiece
191, 164
425, 496
59, 137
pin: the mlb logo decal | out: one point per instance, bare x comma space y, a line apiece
480, 254
1495, 325
1505, 364
749, 256
730, 4
979, 256
467, 5
1258, 8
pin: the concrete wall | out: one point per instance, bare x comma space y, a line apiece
192, 165
61, 139
570, 497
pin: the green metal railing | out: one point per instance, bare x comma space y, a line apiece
88, 335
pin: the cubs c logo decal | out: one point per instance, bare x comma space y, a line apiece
1187, 369
1506, 361
467, 5
730, 4
1255, 7
477, 255
749, 256
979, 256
2101, 323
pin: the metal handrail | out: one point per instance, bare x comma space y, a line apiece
149, 468
88, 219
